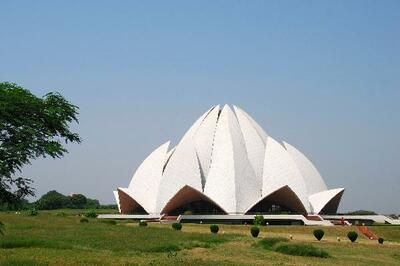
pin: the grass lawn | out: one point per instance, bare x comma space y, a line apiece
49, 239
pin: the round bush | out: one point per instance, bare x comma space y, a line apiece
319, 234
254, 230
61, 214
214, 228
32, 212
91, 214
177, 226
84, 220
352, 236
380, 240
142, 223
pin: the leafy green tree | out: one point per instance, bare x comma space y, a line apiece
78, 201
30, 127
92, 204
53, 200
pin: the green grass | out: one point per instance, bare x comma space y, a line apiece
269, 243
301, 250
52, 239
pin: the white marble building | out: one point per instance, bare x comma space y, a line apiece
227, 164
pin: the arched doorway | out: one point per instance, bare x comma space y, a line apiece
190, 200
283, 200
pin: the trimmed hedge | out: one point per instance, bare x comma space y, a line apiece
91, 214
259, 220
352, 236
319, 234
254, 230
142, 223
32, 212
177, 226
381, 240
214, 228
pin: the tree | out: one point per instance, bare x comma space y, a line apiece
30, 127
53, 200
78, 201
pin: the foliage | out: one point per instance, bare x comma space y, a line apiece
301, 250
91, 214
1, 228
381, 240
269, 243
214, 228
78, 201
32, 212
52, 200
177, 226
319, 234
352, 236
259, 220
142, 223
30, 127
255, 230
188, 212
84, 220
61, 214
361, 212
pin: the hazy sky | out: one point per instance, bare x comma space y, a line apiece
322, 75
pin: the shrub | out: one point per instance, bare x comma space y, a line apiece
142, 223
259, 220
177, 226
319, 234
52, 200
214, 228
380, 240
352, 236
91, 214
1, 228
188, 213
32, 212
254, 230
84, 220
301, 250
61, 214
268, 243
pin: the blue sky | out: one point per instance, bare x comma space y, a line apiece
323, 75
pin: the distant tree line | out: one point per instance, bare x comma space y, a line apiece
53, 200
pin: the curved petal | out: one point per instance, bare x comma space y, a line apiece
327, 201
146, 180
127, 203
312, 177
281, 170
182, 169
231, 180
255, 145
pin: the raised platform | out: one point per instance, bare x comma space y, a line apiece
372, 218
283, 219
